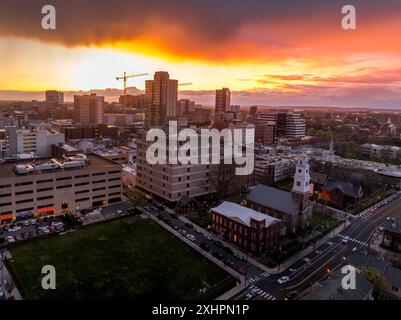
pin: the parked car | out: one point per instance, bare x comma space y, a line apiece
14, 229
218, 255
204, 246
283, 280
218, 244
191, 237
175, 227
345, 240
10, 239
239, 256
228, 250
26, 223
183, 232
229, 263
207, 236
239, 269
252, 293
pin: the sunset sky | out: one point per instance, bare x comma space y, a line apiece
267, 52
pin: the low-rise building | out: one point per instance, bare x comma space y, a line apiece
250, 230
341, 194
392, 234
57, 186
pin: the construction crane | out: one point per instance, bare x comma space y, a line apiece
125, 77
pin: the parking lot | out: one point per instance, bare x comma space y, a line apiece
29, 229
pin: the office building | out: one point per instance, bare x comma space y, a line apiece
36, 142
288, 124
89, 109
161, 99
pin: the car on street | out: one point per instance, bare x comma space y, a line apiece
228, 250
218, 255
204, 246
10, 239
32, 222
229, 263
218, 244
175, 227
283, 280
207, 236
191, 237
291, 295
26, 223
183, 232
239, 256
252, 293
239, 269
197, 230
119, 212
345, 239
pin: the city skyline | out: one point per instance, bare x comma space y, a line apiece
264, 52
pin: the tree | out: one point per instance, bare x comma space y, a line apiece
136, 198
379, 281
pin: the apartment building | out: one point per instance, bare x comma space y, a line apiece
161, 99
380, 152
171, 182
57, 186
38, 142
89, 109
272, 169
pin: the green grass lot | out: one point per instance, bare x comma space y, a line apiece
117, 260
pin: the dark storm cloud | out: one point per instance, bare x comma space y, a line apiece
206, 21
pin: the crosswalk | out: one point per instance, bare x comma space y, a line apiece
260, 293
353, 240
259, 277
366, 215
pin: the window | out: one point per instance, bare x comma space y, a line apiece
63, 178
5, 186
80, 192
45, 198
98, 174
45, 189
298, 183
81, 184
65, 187
99, 181
23, 192
44, 181
24, 201
23, 184
98, 189
5, 195
82, 199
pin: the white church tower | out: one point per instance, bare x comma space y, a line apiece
301, 188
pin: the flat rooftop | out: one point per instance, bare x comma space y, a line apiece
94, 161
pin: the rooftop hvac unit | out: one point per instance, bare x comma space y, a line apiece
72, 164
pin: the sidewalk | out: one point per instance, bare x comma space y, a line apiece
15, 292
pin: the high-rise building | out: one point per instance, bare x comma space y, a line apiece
223, 97
89, 108
161, 99
54, 97
288, 123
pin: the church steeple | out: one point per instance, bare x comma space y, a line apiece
330, 154
301, 188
